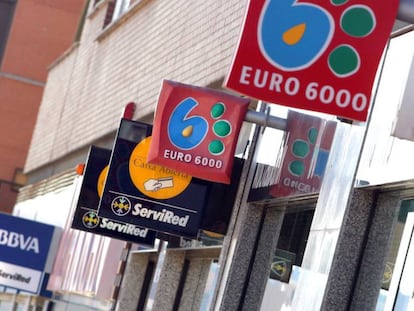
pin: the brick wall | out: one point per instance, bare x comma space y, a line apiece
188, 41
40, 31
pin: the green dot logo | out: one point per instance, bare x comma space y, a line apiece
301, 150
344, 60
297, 168
216, 147
218, 110
313, 135
357, 21
221, 129
339, 2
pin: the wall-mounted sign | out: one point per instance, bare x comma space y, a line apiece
315, 55
85, 217
281, 266
27, 250
149, 195
196, 130
305, 154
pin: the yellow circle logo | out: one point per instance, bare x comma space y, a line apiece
101, 180
153, 180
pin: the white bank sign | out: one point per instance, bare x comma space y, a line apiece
27, 250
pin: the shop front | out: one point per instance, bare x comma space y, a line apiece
349, 246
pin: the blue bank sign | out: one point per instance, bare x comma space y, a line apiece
26, 252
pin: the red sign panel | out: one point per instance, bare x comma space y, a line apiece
316, 55
306, 154
196, 130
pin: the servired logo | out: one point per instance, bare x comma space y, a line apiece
196, 130
121, 205
90, 220
314, 55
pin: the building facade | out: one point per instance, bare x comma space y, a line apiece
33, 34
328, 250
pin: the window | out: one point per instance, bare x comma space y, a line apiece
6, 16
115, 9
286, 264
120, 7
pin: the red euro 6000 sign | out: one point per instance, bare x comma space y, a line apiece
196, 130
319, 55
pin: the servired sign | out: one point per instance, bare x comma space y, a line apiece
196, 130
314, 55
86, 217
160, 198
149, 195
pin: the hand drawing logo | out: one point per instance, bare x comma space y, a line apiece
304, 31
90, 220
121, 205
153, 180
187, 132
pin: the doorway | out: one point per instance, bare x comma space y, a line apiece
398, 283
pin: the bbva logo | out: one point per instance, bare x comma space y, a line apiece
18, 240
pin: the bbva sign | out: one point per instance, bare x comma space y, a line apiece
27, 243
19, 241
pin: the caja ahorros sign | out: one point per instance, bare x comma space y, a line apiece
160, 198
303, 160
196, 130
314, 55
27, 250
148, 195
85, 216
307, 149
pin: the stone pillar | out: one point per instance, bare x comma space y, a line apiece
375, 255
263, 258
169, 279
133, 279
238, 249
358, 265
183, 277
195, 284
348, 252
196, 280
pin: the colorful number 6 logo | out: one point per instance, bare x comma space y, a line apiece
184, 131
293, 35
